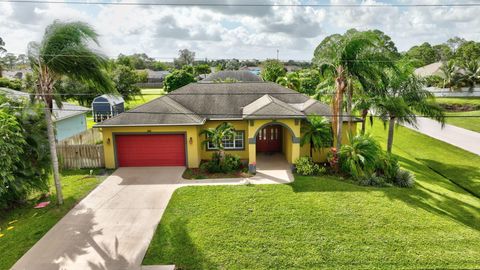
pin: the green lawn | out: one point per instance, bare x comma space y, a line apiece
327, 223
29, 224
147, 95
471, 123
459, 100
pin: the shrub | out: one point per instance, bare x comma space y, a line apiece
373, 180
359, 158
217, 165
404, 178
387, 166
29, 173
306, 166
12, 84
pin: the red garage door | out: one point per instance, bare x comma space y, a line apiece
150, 150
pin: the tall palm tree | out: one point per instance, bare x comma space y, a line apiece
317, 131
215, 136
355, 57
291, 80
405, 98
65, 51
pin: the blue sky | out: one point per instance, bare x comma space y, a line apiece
240, 32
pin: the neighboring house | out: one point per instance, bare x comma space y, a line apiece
433, 69
235, 75
165, 131
107, 106
69, 120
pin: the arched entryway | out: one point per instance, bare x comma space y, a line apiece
273, 150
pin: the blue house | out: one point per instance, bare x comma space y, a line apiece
107, 106
69, 120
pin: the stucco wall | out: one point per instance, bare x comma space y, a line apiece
70, 126
239, 125
321, 156
196, 151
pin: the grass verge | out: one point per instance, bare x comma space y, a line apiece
29, 224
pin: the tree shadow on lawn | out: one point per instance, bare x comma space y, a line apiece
466, 177
172, 244
448, 203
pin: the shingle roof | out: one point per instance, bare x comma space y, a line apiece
271, 107
68, 110
160, 111
195, 103
238, 75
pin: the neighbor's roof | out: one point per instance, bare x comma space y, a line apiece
195, 103
68, 110
238, 75
430, 70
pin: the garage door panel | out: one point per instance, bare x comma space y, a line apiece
150, 150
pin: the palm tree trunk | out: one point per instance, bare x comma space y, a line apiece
391, 128
340, 85
53, 155
364, 117
311, 149
349, 104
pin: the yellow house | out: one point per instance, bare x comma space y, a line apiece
166, 131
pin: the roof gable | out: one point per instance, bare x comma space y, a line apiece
270, 107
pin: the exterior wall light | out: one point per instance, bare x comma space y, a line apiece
108, 140
190, 140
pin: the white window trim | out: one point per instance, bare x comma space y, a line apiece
234, 147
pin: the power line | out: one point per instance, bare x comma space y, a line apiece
192, 4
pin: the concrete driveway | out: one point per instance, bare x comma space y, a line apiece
112, 227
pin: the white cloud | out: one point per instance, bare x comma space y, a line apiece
241, 32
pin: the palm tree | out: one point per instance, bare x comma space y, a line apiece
405, 98
291, 80
65, 52
363, 103
355, 57
452, 78
472, 73
317, 131
215, 136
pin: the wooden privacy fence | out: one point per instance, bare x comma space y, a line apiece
89, 136
81, 156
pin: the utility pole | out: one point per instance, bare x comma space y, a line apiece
277, 54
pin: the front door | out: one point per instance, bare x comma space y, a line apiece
269, 139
